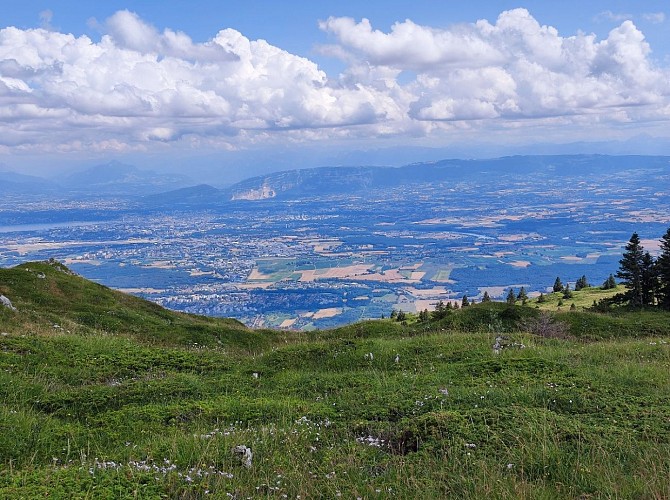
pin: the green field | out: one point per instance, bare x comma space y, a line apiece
103, 395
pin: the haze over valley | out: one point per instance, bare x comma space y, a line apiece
324, 247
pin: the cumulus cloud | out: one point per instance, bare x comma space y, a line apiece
138, 86
515, 68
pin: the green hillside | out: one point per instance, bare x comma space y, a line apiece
103, 395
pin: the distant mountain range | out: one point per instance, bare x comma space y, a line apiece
155, 189
109, 179
14, 183
323, 181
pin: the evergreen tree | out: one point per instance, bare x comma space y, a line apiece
612, 282
541, 299
440, 311
558, 286
486, 297
581, 283
567, 293
649, 280
464, 302
663, 271
630, 271
522, 296
511, 297
609, 283
573, 307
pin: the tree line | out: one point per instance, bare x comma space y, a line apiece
647, 279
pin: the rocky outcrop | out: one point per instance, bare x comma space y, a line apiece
7, 303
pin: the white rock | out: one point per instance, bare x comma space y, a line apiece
244, 453
6, 302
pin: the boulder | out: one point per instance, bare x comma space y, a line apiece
6, 302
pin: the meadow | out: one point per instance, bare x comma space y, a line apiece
103, 395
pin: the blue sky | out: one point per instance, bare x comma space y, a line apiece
272, 84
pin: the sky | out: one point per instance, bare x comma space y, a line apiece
229, 89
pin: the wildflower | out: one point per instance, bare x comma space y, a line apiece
444, 392
510, 466
397, 358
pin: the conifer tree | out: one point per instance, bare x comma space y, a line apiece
522, 296
541, 299
630, 271
663, 271
511, 297
609, 283
649, 280
567, 293
486, 297
440, 310
558, 286
581, 283
465, 302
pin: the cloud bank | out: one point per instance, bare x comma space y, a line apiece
137, 87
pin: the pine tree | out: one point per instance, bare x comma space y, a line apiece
511, 297
522, 296
558, 286
649, 280
541, 299
486, 297
440, 311
609, 283
464, 302
663, 271
630, 271
581, 283
567, 293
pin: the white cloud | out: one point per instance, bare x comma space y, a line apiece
608, 15
515, 68
654, 17
139, 88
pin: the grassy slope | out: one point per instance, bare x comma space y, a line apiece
582, 299
114, 413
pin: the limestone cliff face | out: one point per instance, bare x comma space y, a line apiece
262, 193
320, 181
